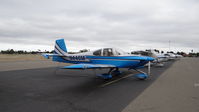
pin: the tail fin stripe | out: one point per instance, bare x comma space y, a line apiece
61, 44
57, 44
58, 52
59, 49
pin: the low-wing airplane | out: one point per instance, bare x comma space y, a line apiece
106, 58
159, 57
173, 56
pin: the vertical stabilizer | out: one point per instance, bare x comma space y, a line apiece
60, 47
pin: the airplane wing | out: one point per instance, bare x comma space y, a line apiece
88, 66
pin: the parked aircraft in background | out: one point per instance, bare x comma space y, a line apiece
173, 56
105, 58
159, 58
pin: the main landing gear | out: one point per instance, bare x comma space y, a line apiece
115, 72
110, 73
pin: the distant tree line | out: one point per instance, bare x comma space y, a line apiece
193, 55
189, 54
11, 51
80, 51
84, 50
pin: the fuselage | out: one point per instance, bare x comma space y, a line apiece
118, 61
105, 56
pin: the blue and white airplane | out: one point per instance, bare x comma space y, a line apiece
105, 58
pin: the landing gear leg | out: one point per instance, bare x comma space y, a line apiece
107, 75
116, 72
111, 69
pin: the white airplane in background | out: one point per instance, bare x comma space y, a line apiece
159, 57
173, 56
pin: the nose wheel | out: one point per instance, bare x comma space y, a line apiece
141, 76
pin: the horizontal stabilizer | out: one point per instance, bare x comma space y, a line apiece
47, 56
88, 66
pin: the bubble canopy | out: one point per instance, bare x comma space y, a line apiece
109, 52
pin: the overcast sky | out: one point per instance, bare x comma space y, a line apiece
92, 24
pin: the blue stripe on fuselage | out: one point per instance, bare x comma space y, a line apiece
119, 57
119, 61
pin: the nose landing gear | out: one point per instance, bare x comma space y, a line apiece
142, 75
